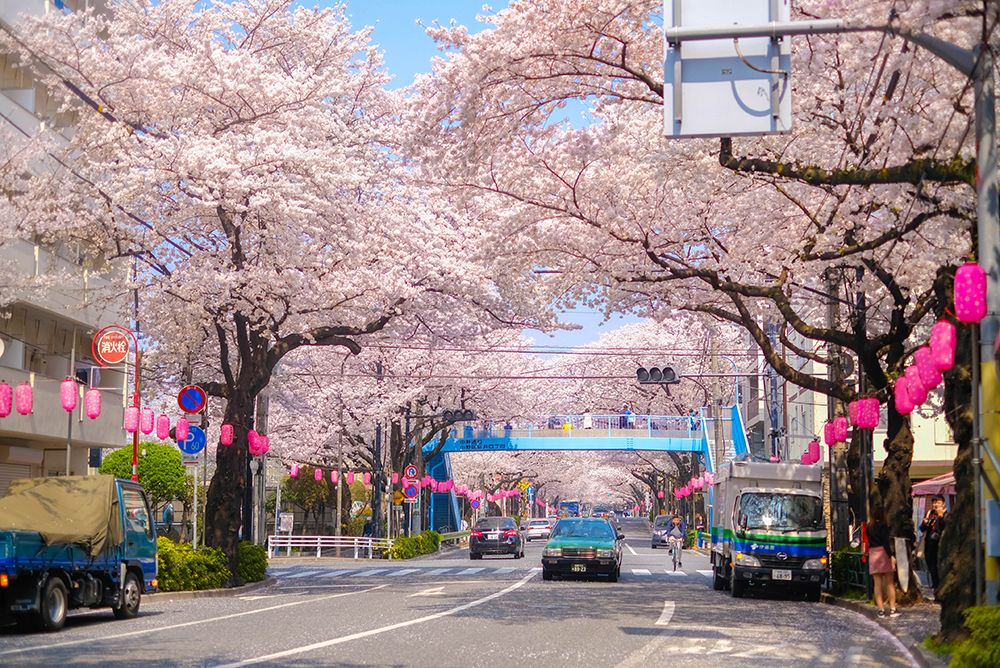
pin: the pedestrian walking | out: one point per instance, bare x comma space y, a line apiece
932, 526
699, 525
882, 563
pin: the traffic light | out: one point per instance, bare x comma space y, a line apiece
458, 415
657, 376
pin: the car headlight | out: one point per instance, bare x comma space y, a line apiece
552, 552
747, 560
605, 554
814, 564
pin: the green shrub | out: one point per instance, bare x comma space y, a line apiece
252, 562
841, 564
407, 547
185, 569
982, 649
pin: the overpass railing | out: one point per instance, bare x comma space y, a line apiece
577, 426
359, 545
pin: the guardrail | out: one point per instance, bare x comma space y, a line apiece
360, 545
456, 536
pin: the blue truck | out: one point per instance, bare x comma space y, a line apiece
74, 542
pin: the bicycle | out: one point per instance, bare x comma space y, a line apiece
676, 545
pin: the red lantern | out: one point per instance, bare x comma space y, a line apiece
163, 427
901, 395
318, 474
226, 438
334, 477
395, 477
840, 428
263, 445
294, 473
132, 419
350, 477
943, 339
24, 399
368, 478
805, 459
970, 293
869, 409
68, 394
92, 403
829, 434
146, 420
918, 393
929, 376
852, 412
813, 450
6, 399
181, 430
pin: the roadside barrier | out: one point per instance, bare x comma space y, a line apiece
359, 544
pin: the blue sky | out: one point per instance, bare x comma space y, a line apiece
408, 51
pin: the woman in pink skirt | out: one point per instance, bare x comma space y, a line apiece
882, 563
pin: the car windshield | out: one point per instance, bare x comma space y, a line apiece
490, 523
781, 512
578, 529
539, 523
661, 521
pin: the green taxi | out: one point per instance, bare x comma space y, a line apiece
583, 546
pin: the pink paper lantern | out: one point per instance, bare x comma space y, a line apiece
901, 396
840, 428
24, 399
294, 472
350, 477
92, 403
813, 450
659, 494
68, 393
710, 478
970, 293
852, 412
163, 427
226, 438
253, 439
869, 410
829, 434
805, 458
395, 478
131, 419
368, 478
678, 495
775, 459
334, 477
943, 340
929, 376
6, 399
263, 445
434, 485
918, 393
146, 419
181, 430
318, 474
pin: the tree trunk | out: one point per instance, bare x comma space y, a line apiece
895, 490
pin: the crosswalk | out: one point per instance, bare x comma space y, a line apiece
302, 574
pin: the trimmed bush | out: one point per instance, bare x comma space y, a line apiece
252, 562
407, 547
982, 649
185, 569
841, 564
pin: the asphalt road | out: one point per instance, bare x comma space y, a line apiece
449, 611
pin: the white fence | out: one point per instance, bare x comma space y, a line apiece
362, 547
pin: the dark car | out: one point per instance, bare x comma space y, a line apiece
583, 546
495, 535
661, 525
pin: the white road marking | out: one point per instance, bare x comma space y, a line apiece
403, 571
433, 591
392, 627
707, 574
436, 571
364, 574
629, 548
470, 571
504, 571
536, 569
303, 574
130, 634
258, 597
333, 574
640, 571
668, 612
675, 573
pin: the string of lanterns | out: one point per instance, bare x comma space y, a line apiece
695, 484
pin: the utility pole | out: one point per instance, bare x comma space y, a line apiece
377, 465
772, 376
835, 373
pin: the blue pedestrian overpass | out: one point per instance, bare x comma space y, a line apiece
593, 433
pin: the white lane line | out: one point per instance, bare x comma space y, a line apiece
364, 574
403, 571
707, 574
470, 571
668, 612
536, 569
432, 591
333, 574
676, 573
130, 634
436, 571
640, 571
629, 548
392, 627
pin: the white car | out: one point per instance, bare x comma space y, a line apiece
538, 529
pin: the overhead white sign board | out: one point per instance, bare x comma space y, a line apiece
722, 87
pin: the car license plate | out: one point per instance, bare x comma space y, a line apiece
578, 568
493, 536
781, 574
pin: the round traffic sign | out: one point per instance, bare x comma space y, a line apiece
475, 504
410, 471
195, 442
191, 399
110, 346
410, 490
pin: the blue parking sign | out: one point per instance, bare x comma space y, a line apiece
195, 442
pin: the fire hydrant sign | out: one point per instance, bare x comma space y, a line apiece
110, 347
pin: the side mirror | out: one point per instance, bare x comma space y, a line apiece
621, 536
743, 524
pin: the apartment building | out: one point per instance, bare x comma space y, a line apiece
45, 332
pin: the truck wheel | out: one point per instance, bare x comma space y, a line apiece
132, 595
55, 601
737, 586
613, 575
813, 593
718, 581
546, 574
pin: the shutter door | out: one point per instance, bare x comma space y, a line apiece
10, 472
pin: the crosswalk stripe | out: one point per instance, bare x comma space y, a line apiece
504, 571
333, 574
403, 571
681, 573
640, 571
436, 571
470, 571
707, 574
304, 574
536, 569
364, 574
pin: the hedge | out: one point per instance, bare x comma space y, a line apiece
185, 569
982, 649
252, 562
407, 547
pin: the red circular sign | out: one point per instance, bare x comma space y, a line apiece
110, 346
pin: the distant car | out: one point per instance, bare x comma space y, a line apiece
661, 525
495, 535
537, 529
583, 546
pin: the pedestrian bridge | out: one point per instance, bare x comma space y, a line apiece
714, 439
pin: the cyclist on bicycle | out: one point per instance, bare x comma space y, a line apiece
676, 534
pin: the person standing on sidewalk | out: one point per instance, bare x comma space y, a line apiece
882, 563
932, 526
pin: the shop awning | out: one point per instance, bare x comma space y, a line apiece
943, 484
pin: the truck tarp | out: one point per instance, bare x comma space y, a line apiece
70, 509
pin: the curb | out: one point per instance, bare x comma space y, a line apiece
211, 593
923, 656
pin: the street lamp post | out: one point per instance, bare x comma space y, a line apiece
107, 350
